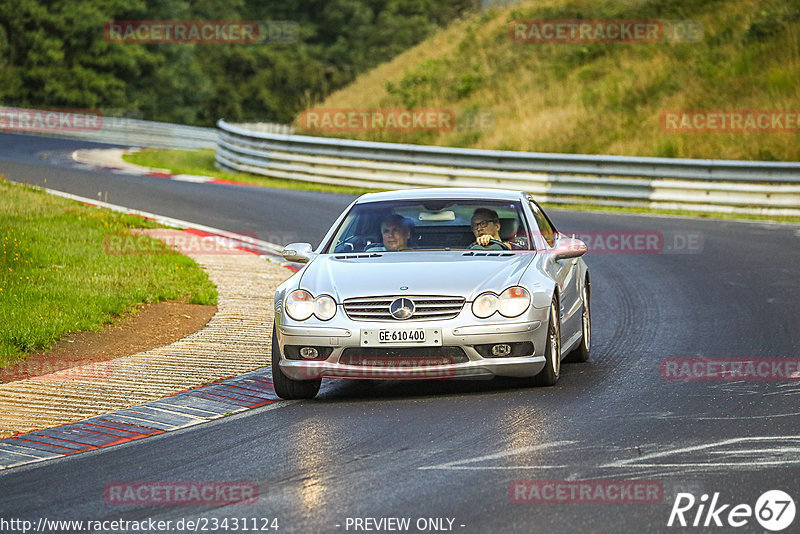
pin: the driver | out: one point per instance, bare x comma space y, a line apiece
395, 232
486, 227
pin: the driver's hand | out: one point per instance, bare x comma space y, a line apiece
483, 240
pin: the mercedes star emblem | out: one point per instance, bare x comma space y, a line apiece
401, 308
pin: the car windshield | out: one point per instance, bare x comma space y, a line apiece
402, 226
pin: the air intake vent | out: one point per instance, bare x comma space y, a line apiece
358, 256
488, 254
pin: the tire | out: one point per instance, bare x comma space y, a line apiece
285, 387
581, 353
552, 367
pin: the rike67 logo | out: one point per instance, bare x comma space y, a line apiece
774, 510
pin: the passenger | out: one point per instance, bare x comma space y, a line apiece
486, 227
395, 232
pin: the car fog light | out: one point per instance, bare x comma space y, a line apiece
503, 349
309, 353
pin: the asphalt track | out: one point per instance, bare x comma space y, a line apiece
451, 449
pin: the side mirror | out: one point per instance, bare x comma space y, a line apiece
298, 252
569, 247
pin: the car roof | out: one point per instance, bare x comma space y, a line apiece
450, 193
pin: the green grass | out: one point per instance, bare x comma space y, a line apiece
201, 162
56, 276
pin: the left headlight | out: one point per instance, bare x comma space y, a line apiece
512, 302
301, 305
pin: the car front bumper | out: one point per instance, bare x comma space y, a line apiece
459, 334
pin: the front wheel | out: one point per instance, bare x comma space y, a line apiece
285, 387
552, 367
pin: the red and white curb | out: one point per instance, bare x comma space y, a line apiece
110, 159
265, 249
181, 410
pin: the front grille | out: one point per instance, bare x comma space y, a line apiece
425, 307
419, 356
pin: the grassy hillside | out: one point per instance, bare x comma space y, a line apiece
598, 97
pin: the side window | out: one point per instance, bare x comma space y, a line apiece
548, 232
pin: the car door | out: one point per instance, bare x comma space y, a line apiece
564, 272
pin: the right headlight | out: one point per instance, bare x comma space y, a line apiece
484, 305
324, 307
301, 305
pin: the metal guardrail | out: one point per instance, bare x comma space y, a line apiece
106, 129
135, 132
267, 127
771, 188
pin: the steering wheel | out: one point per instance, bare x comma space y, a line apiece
353, 242
492, 241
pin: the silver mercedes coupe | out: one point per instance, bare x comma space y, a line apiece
428, 284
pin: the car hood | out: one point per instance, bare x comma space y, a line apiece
422, 273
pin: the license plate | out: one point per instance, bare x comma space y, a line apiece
399, 337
